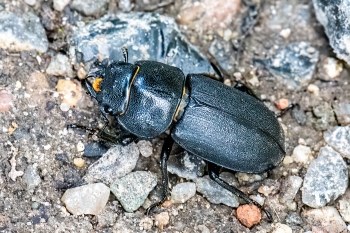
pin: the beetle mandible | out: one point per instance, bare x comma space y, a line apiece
227, 127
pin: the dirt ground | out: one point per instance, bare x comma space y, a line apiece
40, 136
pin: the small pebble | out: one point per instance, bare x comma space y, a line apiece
288, 160
285, 33
282, 104
182, 192
302, 155
6, 101
145, 148
162, 219
312, 88
30, 2
248, 215
79, 162
80, 147
31, 176
59, 5
64, 107
282, 228
333, 67
86, 199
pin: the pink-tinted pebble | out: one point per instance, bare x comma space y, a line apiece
6, 101
248, 215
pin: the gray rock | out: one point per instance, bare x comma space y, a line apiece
148, 36
294, 219
294, 65
23, 32
133, 189
60, 66
87, 199
215, 193
335, 24
186, 165
182, 192
116, 162
145, 148
342, 111
324, 117
327, 218
326, 179
289, 188
89, 7
31, 176
339, 138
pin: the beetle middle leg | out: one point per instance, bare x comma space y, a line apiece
214, 170
166, 149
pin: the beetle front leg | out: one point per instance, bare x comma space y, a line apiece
213, 171
166, 149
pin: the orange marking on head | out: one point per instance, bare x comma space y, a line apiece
96, 84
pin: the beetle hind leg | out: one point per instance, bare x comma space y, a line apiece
166, 149
213, 171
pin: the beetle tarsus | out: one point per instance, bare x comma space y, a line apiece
166, 149
290, 106
213, 171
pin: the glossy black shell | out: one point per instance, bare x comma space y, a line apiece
229, 127
154, 97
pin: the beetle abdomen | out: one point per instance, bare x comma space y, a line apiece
154, 97
229, 127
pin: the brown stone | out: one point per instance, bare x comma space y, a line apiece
282, 104
248, 215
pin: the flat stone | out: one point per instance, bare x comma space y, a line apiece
326, 218
148, 36
215, 193
339, 138
116, 162
182, 192
87, 199
23, 32
133, 189
293, 65
326, 179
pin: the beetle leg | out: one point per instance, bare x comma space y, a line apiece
213, 171
291, 106
244, 88
125, 54
166, 149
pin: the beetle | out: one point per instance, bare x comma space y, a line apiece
227, 127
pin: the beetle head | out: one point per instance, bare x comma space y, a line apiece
111, 86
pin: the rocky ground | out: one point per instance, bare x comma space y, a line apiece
49, 179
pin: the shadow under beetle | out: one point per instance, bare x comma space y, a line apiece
227, 127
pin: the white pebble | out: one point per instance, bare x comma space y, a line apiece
80, 147
64, 107
302, 154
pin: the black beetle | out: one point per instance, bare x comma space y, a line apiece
227, 127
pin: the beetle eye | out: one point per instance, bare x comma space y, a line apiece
108, 109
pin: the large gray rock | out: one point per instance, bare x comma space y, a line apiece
326, 179
23, 32
339, 138
334, 15
116, 162
133, 189
89, 7
293, 65
147, 36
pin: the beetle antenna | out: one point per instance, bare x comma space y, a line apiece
125, 54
